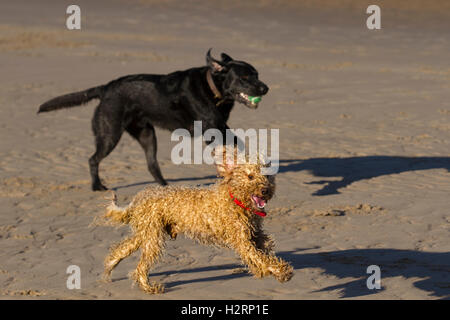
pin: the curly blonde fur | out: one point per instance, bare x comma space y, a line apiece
207, 215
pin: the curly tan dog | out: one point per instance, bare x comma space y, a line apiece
228, 214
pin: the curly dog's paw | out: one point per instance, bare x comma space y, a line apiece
106, 277
152, 288
283, 272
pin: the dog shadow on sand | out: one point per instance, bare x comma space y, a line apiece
354, 169
430, 270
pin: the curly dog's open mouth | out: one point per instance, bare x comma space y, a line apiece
258, 202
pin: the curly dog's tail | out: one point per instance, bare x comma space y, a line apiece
116, 214
72, 99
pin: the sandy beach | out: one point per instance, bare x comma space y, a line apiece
364, 120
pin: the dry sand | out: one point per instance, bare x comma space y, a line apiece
364, 119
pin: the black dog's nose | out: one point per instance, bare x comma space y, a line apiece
263, 89
264, 191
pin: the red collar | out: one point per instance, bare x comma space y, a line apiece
240, 204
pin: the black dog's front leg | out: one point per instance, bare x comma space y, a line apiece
227, 135
236, 140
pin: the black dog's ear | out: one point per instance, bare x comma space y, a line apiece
226, 58
215, 65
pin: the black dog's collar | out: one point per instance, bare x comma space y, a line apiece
212, 86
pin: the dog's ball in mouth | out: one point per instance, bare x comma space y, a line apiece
254, 100
250, 101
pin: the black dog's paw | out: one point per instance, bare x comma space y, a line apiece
162, 182
99, 187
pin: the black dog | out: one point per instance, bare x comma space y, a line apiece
137, 103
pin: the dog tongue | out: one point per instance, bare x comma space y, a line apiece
259, 201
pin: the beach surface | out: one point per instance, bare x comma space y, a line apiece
364, 122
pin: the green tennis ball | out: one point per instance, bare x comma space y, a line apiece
254, 100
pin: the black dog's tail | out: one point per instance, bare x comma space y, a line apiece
72, 99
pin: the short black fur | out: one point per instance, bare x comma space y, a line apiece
138, 103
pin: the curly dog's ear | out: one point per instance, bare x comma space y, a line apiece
225, 158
